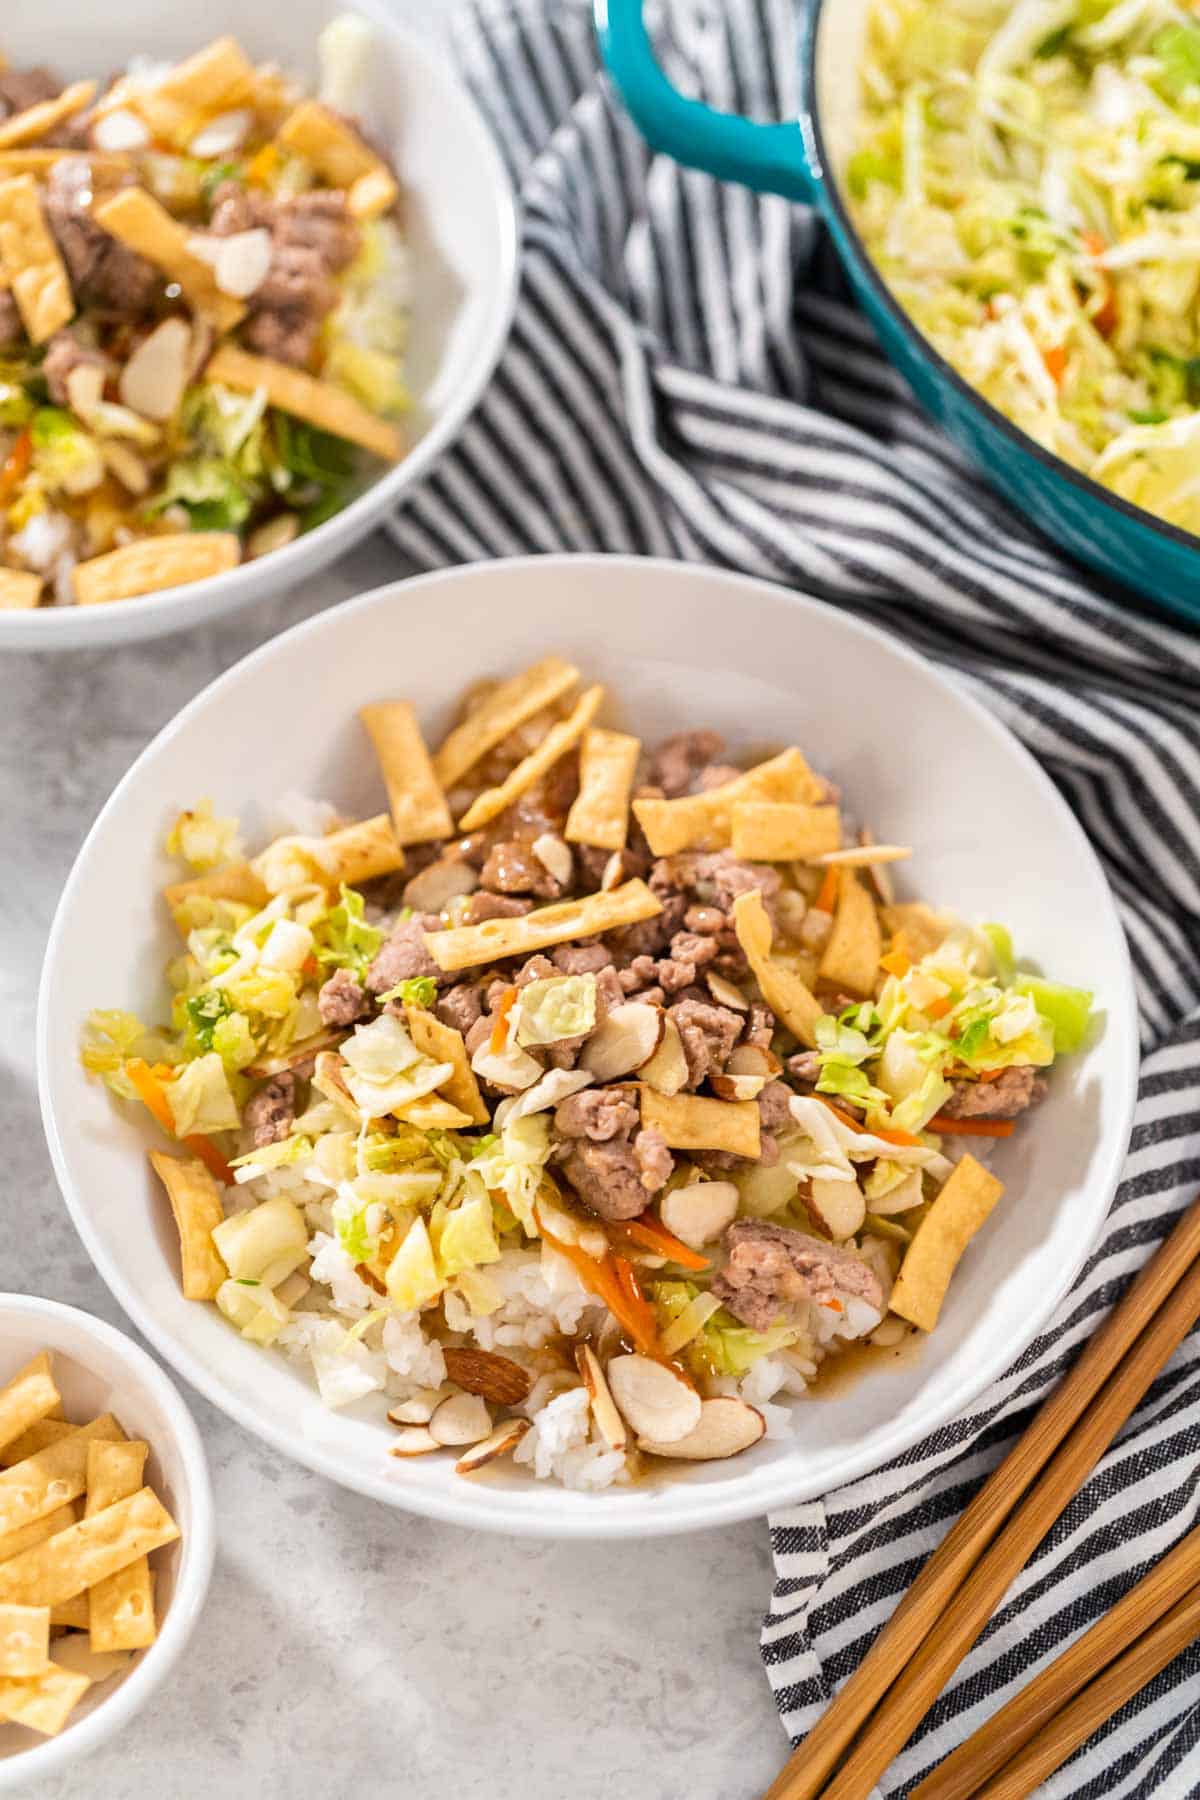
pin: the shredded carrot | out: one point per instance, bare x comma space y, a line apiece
891, 1134
261, 166
895, 962
827, 893
937, 1009
1055, 360
990, 1074
16, 464
611, 1279
993, 1128
833, 1303
1104, 319
508, 1000
651, 1234
149, 1086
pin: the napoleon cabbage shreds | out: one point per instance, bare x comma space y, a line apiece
579, 1107
1027, 180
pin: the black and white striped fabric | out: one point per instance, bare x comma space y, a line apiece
687, 378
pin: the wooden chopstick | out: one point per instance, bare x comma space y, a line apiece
919, 1611
915, 1687
997, 1741
1063, 1735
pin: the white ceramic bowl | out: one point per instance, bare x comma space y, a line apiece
679, 646
460, 221
98, 1370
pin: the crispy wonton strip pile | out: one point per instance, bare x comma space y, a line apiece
558, 740
120, 1605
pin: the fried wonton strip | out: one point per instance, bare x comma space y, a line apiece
43, 1483
121, 1607
38, 1437
851, 957
956, 1214
505, 708
137, 219
864, 856
445, 1045
337, 152
467, 946
419, 810
557, 742
234, 881
215, 78
104, 165
90, 1551
19, 590
75, 1653
705, 821
431, 1113
28, 1397
328, 1079
31, 262
922, 927
24, 1639
694, 1122
320, 402
196, 1205
783, 830
355, 853
787, 995
600, 815
26, 127
43, 1702
72, 1614
151, 564
37, 1531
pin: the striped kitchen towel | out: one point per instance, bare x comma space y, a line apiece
687, 378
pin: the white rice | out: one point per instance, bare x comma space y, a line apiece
543, 1298
559, 1446
295, 814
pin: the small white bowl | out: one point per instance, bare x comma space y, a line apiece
679, 647
98, 1370
460, 222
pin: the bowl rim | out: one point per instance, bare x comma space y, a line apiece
829, 182
196, 1554
466, 1505
339, 534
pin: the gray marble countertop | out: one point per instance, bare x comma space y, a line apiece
344, 1643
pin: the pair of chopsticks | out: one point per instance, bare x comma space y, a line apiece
943, 1613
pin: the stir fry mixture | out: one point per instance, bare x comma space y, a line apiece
1027, 180
203, 313
583, 1128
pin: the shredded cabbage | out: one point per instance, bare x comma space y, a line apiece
1027, 179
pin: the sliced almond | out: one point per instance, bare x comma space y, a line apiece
753, 1059
293, 1288
618, 869
126, 465
221, 136
419, 1408
119, 131
85, 390
500, 1442
493, 1377
699, 1213
667, 1070
462, 1419
726, 1426
242, 262
725, 993
625, 1040
276, 534
414, 1440
878, 874
737, 1087
609, 1422
296, 1054
836, 1208
510, 1069
153, 380
555, 857
444, 880
656, 1401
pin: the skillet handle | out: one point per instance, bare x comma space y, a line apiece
769, 158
